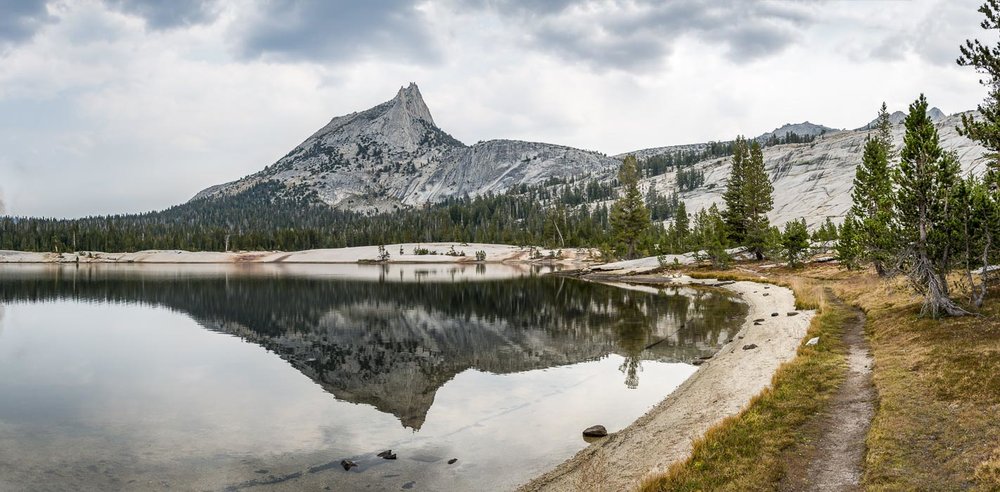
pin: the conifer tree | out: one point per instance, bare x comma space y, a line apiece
629, 217
757, 196
711, 236
848, 247
873, 199
735, 215
925, 199
681, 222
795, 241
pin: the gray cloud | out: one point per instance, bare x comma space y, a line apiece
640, 34
160, 14
19, 19
632, 36
336, 31
937, 36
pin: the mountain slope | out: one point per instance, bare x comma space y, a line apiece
813, 180
394, 155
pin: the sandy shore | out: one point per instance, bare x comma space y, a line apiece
398, 253
720, 388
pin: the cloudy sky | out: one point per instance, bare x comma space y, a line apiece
131, 105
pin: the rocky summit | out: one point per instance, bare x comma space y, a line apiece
394, 155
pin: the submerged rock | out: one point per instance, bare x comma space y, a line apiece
348, 464
793, 313
774, 314
453, 461
595, 431
387, 455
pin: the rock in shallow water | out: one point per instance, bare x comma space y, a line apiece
348, 464
595, 431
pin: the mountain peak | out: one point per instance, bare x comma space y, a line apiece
410, 101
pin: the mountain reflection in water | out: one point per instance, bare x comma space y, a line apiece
392, 337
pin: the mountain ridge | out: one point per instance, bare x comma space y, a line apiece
393, 155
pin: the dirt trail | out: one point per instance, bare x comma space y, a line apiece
834, 461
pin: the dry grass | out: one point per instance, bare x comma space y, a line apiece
936, 425
744, 452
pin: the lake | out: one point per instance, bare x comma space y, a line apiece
265, 377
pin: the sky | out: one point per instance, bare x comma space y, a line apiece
119, 106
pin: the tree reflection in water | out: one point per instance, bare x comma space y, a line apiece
393, 344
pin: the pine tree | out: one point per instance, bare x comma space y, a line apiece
629, 217
873, 199
712, 236
735, 215
848, 246
758, 200
682, 224
925, 210
795, 241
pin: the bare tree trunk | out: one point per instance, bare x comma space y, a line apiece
934, 286
880, 269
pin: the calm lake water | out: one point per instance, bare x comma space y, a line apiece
264, 377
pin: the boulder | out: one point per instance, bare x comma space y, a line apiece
595, 431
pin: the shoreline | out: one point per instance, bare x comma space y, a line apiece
721, 387
464, 253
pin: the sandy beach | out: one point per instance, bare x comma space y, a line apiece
721, 387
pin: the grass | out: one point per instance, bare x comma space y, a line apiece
937, 423
744, 452
936, 427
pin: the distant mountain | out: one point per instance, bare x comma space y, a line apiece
804, 129
394, 155
897, 117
